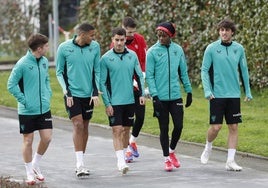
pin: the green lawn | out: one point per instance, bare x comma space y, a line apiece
252, 133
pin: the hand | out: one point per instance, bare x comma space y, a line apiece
142, 100
247, 99
189, 100
95, 100
157, 104
69, 101
109, 111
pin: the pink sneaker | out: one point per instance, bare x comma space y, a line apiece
168, 166
174, 160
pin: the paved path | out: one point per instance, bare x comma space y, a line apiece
147, 171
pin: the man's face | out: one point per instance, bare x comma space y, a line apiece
119, 43
226, 34
88, 36
163, 37
44, 49
130, 32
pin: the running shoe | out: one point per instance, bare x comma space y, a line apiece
168, 166
30, 179
82, 172
38, 174
232, 166
128, 157
134, 149
205, 156
175, 162
123, 169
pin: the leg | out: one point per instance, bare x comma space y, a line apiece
27, 157
85, 135
78, 131
212, 133
45, 138
232, 143
27, 150
125, 139
139, 118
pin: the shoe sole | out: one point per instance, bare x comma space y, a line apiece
124, 170
30, 182
231, 169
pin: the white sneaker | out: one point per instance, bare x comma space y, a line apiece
30, 179
123, 168
205, 156
232, 166
38, 174
82, 172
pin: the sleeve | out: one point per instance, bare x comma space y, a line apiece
206, 64
244, 74
15, 77
184, 74
143, 48
60, 64
48, 82
150, 72
96, 76
103, 83
139, 77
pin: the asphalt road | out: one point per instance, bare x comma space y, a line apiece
58, 164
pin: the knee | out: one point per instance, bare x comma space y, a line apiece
216, 128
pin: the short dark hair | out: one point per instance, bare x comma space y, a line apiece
118, 31
129, 22
227, 23
84, 27
37, 40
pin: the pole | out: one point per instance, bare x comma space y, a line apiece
50, 36
56, 27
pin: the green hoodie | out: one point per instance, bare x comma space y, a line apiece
29, 83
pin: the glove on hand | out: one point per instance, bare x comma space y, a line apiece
188, 100
157, 104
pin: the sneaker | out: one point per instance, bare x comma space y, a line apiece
134, 149
38, 174
123, 169
205, 156
232, 166
168, 165
30, 179
81, 172
128, 157
174, 160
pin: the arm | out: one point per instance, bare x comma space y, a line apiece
103, 83
206, 64
150, 74
245, 76
15, 77
60, 65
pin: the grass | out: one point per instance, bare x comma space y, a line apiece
252, 132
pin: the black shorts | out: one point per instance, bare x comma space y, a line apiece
31, 123
225, 107
81, 106
123, 115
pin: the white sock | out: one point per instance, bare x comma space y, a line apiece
29, 168
166, 158
79, 158
125, 150
231, 154
120, 157
171, 150
208, 145
132, 139
36, 159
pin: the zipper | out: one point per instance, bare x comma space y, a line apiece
168, 72
40, 98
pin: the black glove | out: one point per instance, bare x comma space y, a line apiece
157, 104
188, 100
